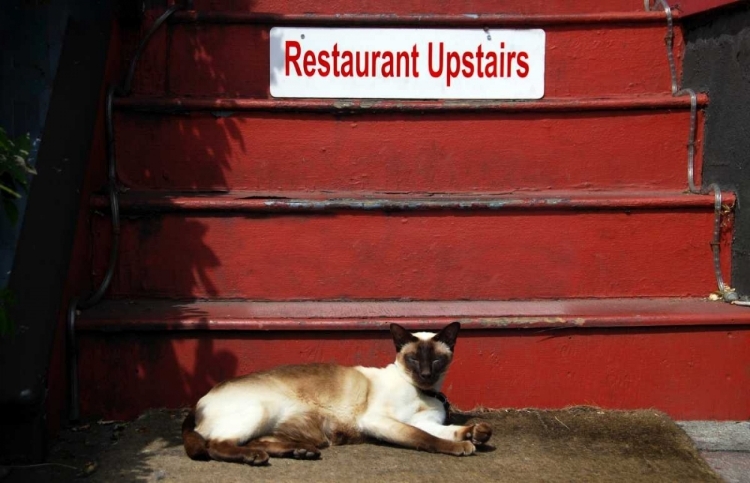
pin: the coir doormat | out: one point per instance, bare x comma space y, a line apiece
572, 445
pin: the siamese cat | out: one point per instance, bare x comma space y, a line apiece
294, 411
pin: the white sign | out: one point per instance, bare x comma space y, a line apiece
407, 63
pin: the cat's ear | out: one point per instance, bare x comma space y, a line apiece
401, 336
448, 335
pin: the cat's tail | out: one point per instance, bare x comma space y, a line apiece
196, 446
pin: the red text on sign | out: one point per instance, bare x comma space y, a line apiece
442, 62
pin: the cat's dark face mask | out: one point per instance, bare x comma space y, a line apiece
426, 361
425, 364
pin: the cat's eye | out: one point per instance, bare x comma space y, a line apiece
411, 359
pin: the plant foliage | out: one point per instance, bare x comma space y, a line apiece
14, 178
14, 171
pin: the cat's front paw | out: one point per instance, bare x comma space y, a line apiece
464, 448
480, 433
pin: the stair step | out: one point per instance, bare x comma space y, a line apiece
275, 201
651, 246
266, 145
228, 53
222, 105
427, 7
242, 315
671, 355
489, 20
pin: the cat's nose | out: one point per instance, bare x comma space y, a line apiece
425, 373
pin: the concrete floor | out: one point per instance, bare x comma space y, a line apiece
725, 445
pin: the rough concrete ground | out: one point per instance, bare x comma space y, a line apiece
725, 445
577, 444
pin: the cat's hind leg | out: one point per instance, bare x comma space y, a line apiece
199, 448
299, 437
226, 426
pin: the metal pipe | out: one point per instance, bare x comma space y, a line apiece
76, 304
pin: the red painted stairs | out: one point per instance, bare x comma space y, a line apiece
258, 231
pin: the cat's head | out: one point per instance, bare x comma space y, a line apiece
425, 356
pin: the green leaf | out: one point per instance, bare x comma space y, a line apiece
9, 191
17, 169
14, 170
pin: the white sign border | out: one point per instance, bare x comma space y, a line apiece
425, 87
